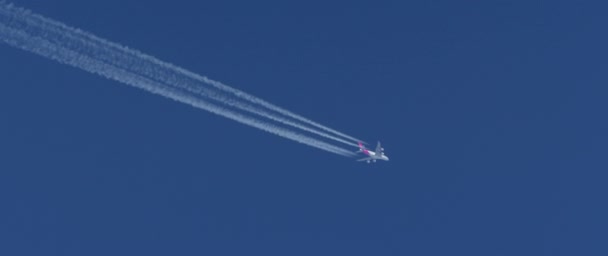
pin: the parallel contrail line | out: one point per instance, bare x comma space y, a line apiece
19, 37
167, 72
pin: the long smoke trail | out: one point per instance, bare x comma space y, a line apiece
15, 31
155, 69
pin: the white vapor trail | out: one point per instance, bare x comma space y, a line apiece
22, 29
155, 69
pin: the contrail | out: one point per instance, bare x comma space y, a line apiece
16, 31
153, 68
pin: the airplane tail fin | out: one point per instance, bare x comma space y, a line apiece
361, 145
362, 149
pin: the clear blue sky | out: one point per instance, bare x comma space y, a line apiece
493, 114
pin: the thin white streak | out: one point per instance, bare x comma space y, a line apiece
153, 68
14, 34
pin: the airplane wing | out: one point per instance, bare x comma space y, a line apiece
364, 159
379, 149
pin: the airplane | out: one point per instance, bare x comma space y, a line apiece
371, 155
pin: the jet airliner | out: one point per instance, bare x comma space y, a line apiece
372, 156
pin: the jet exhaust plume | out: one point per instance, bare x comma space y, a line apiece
51, 39
130, 59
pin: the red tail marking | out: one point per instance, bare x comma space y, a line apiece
363, 149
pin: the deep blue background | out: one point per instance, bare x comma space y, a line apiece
493, 114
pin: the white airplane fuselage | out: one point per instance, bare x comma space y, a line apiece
371, 155
375, 156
